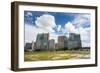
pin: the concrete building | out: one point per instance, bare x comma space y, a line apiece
62, 42
74, 41
44, 44
42, 41
51, 45
28, 47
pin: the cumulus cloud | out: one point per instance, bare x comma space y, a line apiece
81, 20
71, 28
58, 28
84, 33
80, 26
46, 22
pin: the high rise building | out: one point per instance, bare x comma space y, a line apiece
62, 42
44, 44
42, 41
74, 41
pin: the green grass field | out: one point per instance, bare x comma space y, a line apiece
57, 55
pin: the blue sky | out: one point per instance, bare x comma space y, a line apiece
60, 18
57, 23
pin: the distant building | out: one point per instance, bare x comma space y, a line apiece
44, 44
62, 42
51, 45
28, 47
74, 41
42, 41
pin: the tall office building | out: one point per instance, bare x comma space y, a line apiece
62, 42
44, 44
74, 41
42, 41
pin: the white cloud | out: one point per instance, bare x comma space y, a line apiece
84, 33
77, 26
29, 14
31, 32
58, 28
46, 22
71, 28
85, 36
81, 20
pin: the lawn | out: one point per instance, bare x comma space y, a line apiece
56, 55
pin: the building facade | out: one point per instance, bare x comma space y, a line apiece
62, 42
28, 47
74, 41
44, 44
42, 41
